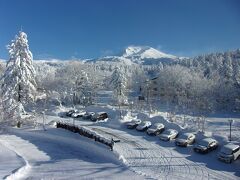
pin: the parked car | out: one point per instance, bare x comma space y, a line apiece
69, 113
229, 153
168, 134
156, 129
205, 145
185, 139
78, 114
99, 116
88, 115
133, 124
144, 125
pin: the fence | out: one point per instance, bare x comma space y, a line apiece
83, 131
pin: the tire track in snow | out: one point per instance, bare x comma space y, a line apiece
158, 162
19, 172
24, 149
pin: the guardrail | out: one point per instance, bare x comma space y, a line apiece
86, 132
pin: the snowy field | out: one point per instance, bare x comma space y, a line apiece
58, 154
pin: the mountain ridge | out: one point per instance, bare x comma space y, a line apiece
143, 55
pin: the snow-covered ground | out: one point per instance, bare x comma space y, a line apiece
59, 154
153, 158
56, 154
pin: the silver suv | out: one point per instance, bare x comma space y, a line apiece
185, 139
229, 153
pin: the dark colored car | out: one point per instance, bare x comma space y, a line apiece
133, 123
69, 113
144, 125
205, 145
78, 114
100, 116
156, 129
88, 115
168, 135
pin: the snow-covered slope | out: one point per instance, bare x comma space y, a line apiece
145, 52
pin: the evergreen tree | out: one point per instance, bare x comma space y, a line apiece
18, 82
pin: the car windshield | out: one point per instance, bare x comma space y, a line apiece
157, 125
183, 136
226, 150
203, 142
135, 121
169, 131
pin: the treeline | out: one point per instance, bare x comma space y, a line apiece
202, 84
206, 83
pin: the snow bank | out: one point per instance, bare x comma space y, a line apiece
161, 119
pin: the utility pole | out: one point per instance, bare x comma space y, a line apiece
43, 123
119, 103
131, 106
230, 123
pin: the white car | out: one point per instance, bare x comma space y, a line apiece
205, 145
156, 129
133, 124
185, 139
88, 115
143, 126
78, 114
229, 153
168, 134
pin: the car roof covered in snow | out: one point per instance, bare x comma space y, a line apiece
158, 124
186, 134
135, 120
102, 112
144, 122
231, 146
207, 140
171, 130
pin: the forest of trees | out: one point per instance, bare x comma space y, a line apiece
202, 84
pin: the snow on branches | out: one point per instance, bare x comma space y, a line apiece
118, 82
18, 82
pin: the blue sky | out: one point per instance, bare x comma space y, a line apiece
67, 29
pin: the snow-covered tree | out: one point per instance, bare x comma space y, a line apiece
18, 82
82, 90
118, 82
227, 68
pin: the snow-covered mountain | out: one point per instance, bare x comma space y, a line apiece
143, 55
145, 52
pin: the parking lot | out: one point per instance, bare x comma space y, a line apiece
150, 156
